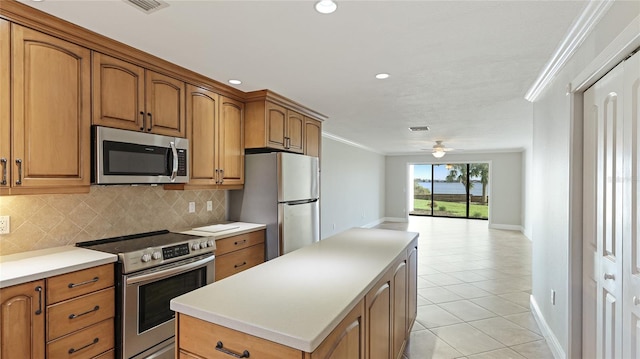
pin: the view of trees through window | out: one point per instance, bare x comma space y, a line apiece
451, 190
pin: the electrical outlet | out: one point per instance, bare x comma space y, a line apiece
209, 206
192, 207
4, 225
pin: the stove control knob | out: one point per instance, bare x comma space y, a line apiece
203, 245
211, 243
195, 246
157, 255
146, 257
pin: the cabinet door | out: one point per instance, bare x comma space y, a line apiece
118, 93
276, 126
378, 320
399, 283
5, 109
231, 142
165, 105
295, 132
51, 117
312, 137
202, 113
412, 288
22, 321
346, 340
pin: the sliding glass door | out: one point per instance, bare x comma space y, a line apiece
451, 190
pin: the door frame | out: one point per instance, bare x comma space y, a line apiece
618, 50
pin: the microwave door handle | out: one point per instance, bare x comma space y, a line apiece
174, 151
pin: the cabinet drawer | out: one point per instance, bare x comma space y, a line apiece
227, 245
74, 284
69, 316
200, 338
111, 354
86, 343
238, 261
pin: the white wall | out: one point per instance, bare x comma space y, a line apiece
551, 178
353, 183
505, 184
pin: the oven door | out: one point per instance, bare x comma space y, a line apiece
147, 320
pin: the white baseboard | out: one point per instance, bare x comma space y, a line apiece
373, 224
508, 227
395, 219
552, 341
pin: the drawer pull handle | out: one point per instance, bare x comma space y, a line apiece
240, 242
220, 348
4, 171
19, 164
73, 285
240, 265
94, 342
608, 276
39, 290
74, 316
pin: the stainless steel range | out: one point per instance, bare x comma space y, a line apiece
152, 269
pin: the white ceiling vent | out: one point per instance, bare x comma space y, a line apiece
419, 128
147, 6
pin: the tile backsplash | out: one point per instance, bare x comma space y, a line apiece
43, 221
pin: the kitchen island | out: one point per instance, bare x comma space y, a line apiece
351, 295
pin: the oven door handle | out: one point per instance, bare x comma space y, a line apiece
170, 271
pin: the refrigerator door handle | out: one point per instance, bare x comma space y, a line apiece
304, 201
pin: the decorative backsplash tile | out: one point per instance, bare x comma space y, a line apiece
43, 221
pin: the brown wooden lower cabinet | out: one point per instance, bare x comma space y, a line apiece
377, 327
237, 253
22, 321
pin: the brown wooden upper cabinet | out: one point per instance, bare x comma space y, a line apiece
129, 97
216, 138
274, 122
50, 121
5, 106
278, 128
312, 137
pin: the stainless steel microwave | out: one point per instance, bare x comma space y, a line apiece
129, 157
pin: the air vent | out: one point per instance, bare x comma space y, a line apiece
147, 6
419, 128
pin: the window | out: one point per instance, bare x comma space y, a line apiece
451, 190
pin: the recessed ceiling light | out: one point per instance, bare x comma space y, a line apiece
36, 0
382, 76
235, 82
326, 6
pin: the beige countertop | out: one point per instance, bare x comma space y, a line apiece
299, 298
33, 265
220, 231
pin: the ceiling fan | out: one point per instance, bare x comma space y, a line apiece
439, 150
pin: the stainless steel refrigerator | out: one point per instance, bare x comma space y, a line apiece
281, 190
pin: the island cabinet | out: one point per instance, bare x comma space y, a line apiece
274, 122
346, 341
355, 300
22, 321
46, 118
238, 253
216, 137
130, 97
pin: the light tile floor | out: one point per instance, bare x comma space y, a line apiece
473, 292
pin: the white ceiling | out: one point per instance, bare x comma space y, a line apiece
461, 67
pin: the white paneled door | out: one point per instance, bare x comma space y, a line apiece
631, 218
611, 272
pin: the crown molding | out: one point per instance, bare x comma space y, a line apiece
349, 142
579, 30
